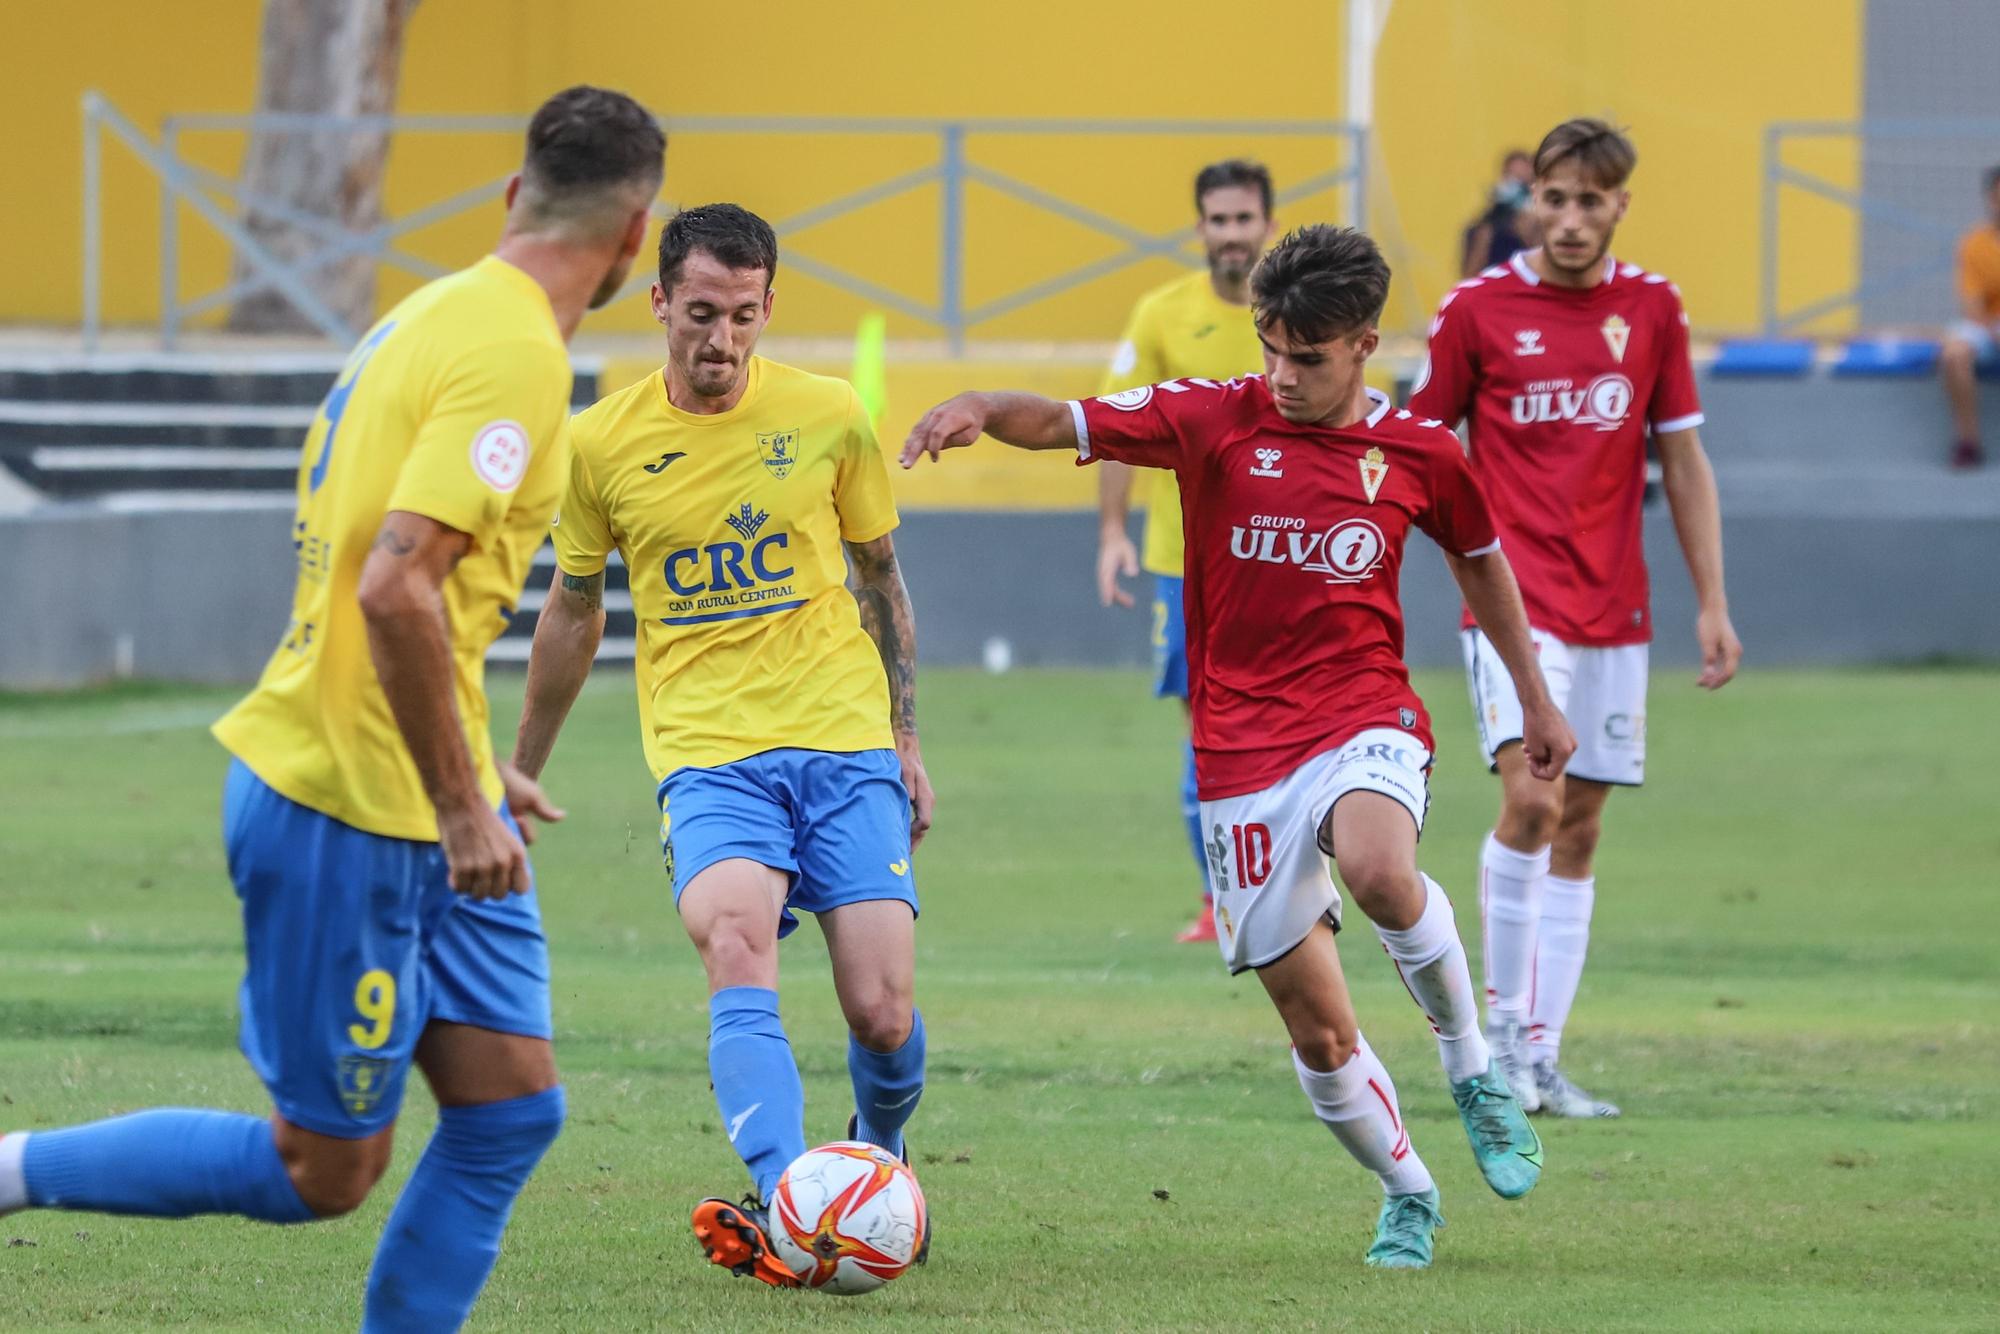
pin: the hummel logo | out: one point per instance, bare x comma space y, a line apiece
1267, 463
1529, 343
748, 522
736, 1122
901, 867
665, 461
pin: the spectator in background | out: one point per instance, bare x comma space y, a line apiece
1506, 226
1971, 342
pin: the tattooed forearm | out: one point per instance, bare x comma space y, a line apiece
586, 588
891, 622
395, 543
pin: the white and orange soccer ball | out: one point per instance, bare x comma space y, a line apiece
847, 1218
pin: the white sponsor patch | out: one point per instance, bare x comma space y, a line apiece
500, 454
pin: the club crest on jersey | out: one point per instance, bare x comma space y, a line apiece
1267, 463
1616, 334
1528, 343
1374, 469
780, 451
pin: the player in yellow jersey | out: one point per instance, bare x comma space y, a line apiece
388, 907
1196, 325
779, 707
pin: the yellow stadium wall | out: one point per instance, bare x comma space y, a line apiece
1457, 81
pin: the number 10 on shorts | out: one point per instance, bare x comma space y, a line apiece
1253, 854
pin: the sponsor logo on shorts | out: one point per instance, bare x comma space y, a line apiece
1218, 859
1625, 728
363, 1081
1407, 717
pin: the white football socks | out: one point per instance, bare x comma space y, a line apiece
1511, 887
1559, 949
1431, 959
13, 1178
1358, 1104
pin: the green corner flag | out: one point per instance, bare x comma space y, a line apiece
870, 378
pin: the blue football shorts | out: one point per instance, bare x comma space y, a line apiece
1170, 669
836, 823
355, 942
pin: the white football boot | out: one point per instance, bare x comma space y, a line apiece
1508, 1040
1559, 1097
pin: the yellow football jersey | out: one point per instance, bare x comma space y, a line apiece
731, 528
1180, 329
452, 407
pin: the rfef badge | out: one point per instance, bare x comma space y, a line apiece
780, 451
363, 1080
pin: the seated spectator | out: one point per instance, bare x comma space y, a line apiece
1506, 226
1970, 344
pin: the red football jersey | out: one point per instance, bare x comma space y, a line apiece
1294, 547
1561, 384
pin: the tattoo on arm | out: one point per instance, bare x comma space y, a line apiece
890, 621
586, 588
396, 544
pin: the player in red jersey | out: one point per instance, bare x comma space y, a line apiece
1563, 359
1299, 488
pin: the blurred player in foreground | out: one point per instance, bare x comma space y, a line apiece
1972, 343
1199, 325
1563, 358
1300, 488
389, 911
780, 709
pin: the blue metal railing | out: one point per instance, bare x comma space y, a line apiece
1780, 175
954, 168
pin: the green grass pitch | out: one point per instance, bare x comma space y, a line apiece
1792, 993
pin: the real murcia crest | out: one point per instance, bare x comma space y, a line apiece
1616, 334
1374, 468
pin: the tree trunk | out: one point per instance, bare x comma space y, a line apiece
329, 57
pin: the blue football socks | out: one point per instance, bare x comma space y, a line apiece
444, 1234
171, 1162
1191, 814
757, 1087
887, 1086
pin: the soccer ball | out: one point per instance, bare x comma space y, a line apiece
847, 1217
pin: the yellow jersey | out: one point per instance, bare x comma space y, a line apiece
1180, 329
730, 526
452, 407
1979, 269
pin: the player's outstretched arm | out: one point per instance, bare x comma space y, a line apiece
1026, 421
890, 620
566, 637
1487, 581
409, 639
1697, 509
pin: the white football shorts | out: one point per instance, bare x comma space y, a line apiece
1266, 861
1602, 691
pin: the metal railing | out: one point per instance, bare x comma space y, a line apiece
954, 168
1936, 237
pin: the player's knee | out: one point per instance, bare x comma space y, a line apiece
1532, 816
1380, 884
1326, 1049
882, 1022
737, 955
1576, 842
333, 1184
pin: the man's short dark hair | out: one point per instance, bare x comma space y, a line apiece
1321, 283
732, 234
587, 148
1234, 171
1601, 150
1992, 178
